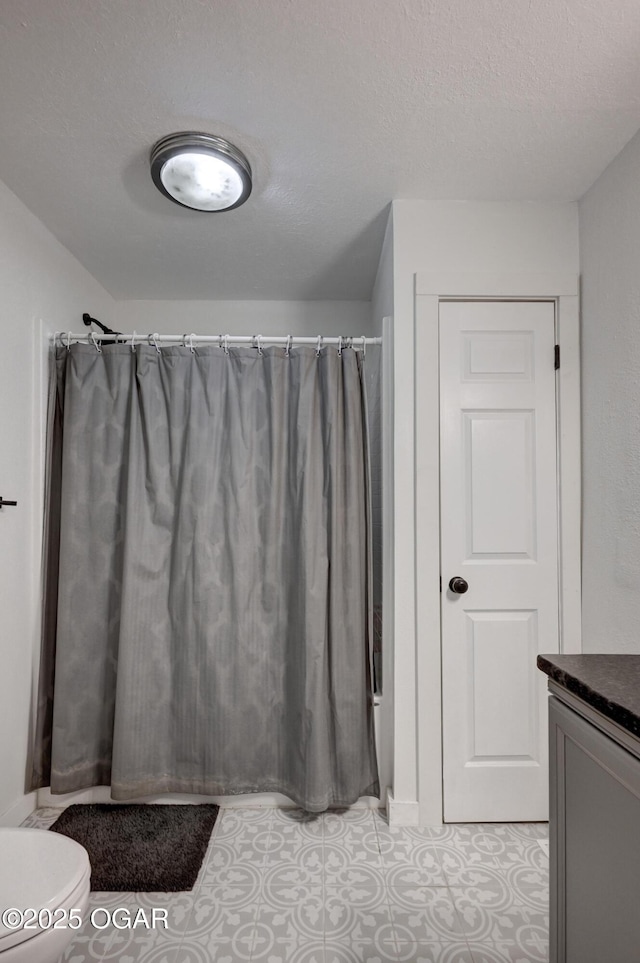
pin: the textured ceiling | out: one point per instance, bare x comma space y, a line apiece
340, 105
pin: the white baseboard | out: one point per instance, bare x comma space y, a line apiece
402, 813
18, 812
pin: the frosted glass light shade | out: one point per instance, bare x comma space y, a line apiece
200, 171
201, 181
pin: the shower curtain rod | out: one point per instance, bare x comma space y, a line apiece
224, 340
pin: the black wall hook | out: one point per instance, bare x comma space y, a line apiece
3, 502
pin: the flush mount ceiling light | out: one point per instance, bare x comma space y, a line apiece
200, 171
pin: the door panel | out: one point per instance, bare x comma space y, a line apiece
501, 722
498, 462
499, 532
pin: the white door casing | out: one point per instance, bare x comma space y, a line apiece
499, 532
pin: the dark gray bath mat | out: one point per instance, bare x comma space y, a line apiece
139, 847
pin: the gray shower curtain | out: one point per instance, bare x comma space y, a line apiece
207, 629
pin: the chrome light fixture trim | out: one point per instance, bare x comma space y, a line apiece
200, 171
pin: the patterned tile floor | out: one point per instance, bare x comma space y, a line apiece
280, 886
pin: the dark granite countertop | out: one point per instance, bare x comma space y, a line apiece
609, 683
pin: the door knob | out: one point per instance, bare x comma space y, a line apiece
458, 585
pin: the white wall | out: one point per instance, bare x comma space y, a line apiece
43, 288
610, 265
382, 442
330, 318
442, 238
382, 295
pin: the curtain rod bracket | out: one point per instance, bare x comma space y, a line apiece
88, 320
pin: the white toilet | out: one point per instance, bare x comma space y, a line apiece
41, 870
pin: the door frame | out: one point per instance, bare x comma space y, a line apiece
430, 288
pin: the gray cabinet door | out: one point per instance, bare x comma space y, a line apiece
595, 843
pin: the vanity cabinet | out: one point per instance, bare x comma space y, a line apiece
594, 812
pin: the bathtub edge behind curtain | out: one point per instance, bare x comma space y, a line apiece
213, 595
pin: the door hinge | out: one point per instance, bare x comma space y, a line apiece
556, 356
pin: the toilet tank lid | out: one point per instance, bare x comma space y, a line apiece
38, 869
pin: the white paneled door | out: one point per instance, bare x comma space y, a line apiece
499, 540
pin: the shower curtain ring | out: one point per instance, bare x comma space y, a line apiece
68, 341
319, 345
259, 344
191, 347
287, 349
340, 346
133, 342
92, 336
226, 344
364, 347
153, 339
